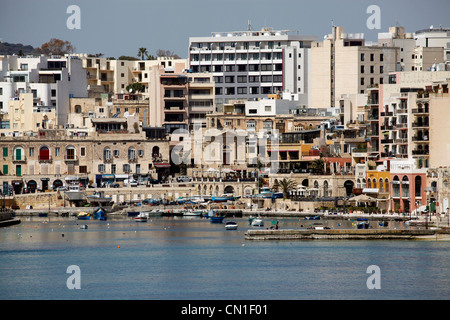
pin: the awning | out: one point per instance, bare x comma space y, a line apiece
71, 178
370, 190
122, 176
162, 165
107, 176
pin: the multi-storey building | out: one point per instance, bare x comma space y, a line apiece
111, 150
343, 64
252, 64
435, 37
51, 80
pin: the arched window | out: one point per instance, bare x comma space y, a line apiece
418, 186
70, 153
325, 188
396, 187
107, 154
405, 187
386, 185
381, 185
131, 153
44, 153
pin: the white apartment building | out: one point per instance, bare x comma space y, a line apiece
435, 37
253, 64
51, 79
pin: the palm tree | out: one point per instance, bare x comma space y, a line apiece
286, 185
142, 53
317, 166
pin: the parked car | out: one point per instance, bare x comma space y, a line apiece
114, 185
184, 179
153, 181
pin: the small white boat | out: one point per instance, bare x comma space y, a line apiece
141, 218
258, 222
192, 213
231, 225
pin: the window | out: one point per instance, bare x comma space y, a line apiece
362, 69
57, 151
5, 151
82, 169
381, 57
241, 79
107, 154
31, 152
131, 154
5, 169
252, 111
229, 79
371, 56
268, 108
83, 151
241, 90
126, 168
101, 168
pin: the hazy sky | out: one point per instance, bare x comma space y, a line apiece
119, 27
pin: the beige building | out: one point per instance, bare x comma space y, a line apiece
24, 116
343, 64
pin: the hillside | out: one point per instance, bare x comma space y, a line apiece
14, 48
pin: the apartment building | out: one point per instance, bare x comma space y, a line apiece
253, 64
112, 76
51, 79
411, 56
435, 37
343, 64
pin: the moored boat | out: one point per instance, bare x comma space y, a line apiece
83, 216
258, 222
216, 219
141, 218
231, 225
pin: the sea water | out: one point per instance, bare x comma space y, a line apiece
193, 259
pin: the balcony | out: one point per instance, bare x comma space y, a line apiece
387, 141
45, 159
70, 158
387, 114
420, 152
387, 127
401, 126
420, 125
420, 111
401, 141
19, 159
420, 139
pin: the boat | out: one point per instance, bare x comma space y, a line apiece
141, 218
313, 218
216, 219
192, 213
83, 216
231, 225
224, 198
84, 226
258, 222
99, 198
383, 224
133, 213
43, 214
100, 214
363, 225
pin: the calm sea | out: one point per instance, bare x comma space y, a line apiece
192, 259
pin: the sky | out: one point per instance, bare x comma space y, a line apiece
121, 27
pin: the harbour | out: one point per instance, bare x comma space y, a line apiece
190, 258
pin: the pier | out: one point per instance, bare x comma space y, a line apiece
348, 234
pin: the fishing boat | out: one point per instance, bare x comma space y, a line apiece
231, 225
192, 213
83, 216
100, 214
216, 219
99, 198
133, 213
313, 218
258, 222
224, 198
141, 218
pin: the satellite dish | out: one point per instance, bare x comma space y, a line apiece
131, 90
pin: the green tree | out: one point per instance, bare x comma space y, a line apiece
317, 166
135, 87
285, 185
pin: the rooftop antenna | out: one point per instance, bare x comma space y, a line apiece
249, 28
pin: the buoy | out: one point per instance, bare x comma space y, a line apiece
118, 247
